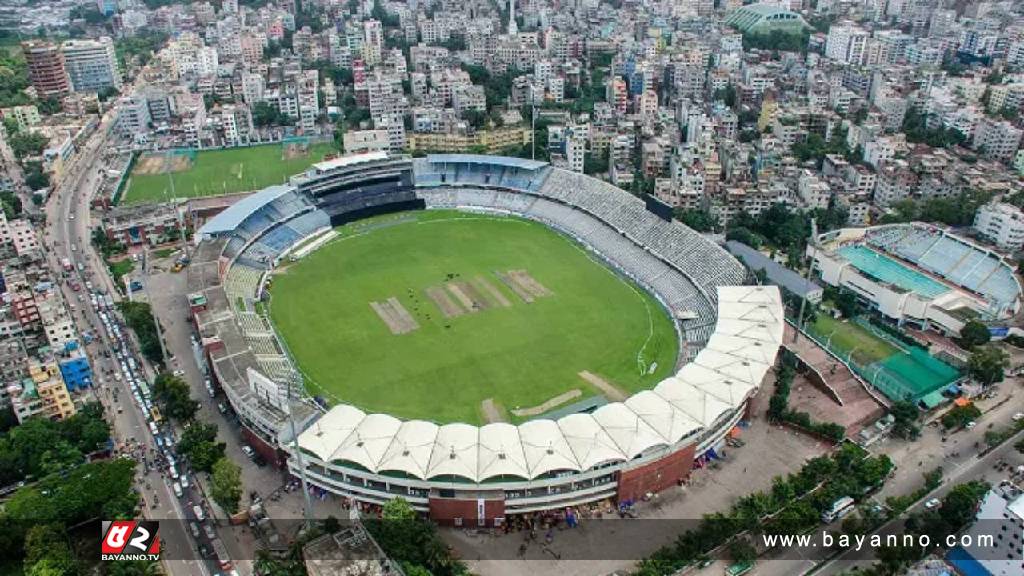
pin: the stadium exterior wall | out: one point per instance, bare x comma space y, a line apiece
645, 444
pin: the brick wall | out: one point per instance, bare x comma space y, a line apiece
446, 510
656, 476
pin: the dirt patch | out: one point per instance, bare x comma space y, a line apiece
443, 301
515, 287
477, 301
492, 290
395, 316
162, 163
295, 150
455, 289
523, 278
493, 412
546, 406
607, 388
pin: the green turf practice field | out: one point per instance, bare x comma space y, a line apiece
851, 337
896, 368
215, 172
425, 315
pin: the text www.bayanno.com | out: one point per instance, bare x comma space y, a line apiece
860, 542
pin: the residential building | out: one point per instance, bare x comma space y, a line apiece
1002, 224
91, 64
46, 71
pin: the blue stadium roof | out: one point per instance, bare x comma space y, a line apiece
507, 161
235, 214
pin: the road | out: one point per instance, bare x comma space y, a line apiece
67, 236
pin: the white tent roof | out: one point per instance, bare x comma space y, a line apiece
455, 451
721, 377
589, 441
667, 420
410, 450
368, 443
501, 452
325, 435
545, 448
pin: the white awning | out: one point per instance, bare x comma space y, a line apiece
455, 452
410, 451
368, 443
545, 448
589, 442
501, 452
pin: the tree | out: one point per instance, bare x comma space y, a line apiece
987, 364
905, 415
25, 143
959, 416
698, 220
974, 333
741, 551
226, 485
139, 317
199, 443
174, 394
476, 118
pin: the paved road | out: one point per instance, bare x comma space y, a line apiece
67, 236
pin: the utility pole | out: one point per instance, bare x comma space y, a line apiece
533, 131
813, 242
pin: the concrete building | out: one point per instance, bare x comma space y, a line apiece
91, 64
362, 141
1002, 224
997, 139
46, 68
847, 43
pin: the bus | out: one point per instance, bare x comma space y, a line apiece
221, 552
839, 509
143, 388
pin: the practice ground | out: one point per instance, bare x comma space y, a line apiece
580, 317
897, 369
215, 172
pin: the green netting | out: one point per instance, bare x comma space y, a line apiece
911, 372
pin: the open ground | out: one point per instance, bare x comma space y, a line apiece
476, 339
216, 172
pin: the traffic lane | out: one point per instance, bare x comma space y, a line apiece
981, 469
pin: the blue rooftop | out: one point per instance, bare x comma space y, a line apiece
235, 214
506, 161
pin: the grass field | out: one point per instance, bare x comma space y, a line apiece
851, 337
521, 355
216, 172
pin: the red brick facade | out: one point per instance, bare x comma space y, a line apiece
656, 476
447, 510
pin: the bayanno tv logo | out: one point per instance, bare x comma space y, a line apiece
130, 540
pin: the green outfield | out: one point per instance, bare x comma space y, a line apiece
216, 172
453, 317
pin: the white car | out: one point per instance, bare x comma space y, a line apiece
971, 425
932, 504
1018, 416
177, 489
71, 216
184, 481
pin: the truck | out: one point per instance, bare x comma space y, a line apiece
221, 552
66, 264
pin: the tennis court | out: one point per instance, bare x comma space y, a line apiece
892, 272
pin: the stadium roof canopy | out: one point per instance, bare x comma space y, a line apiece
350, 160
234, 215
718, 381
764, 18
506, 161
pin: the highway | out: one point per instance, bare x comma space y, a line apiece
67, 235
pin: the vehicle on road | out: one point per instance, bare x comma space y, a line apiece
177, 489
221, 552
249, 452
932, 504
194, 529
198, 511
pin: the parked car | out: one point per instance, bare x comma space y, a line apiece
932, 504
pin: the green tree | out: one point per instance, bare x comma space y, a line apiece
174, 394
698, 220
905, 415
959, 416
987, 363
974, 333
226, 485
139, 317
199, 443
26, 143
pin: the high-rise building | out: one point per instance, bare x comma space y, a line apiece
847, 43
91, 64
373, 41
46, 68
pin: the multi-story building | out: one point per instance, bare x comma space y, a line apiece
24, 116
1002, 224
42, 394
373, 41
362, 141
46, 70
997, 139
91, 64
847, 43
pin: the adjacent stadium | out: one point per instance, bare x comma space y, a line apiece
483, 336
